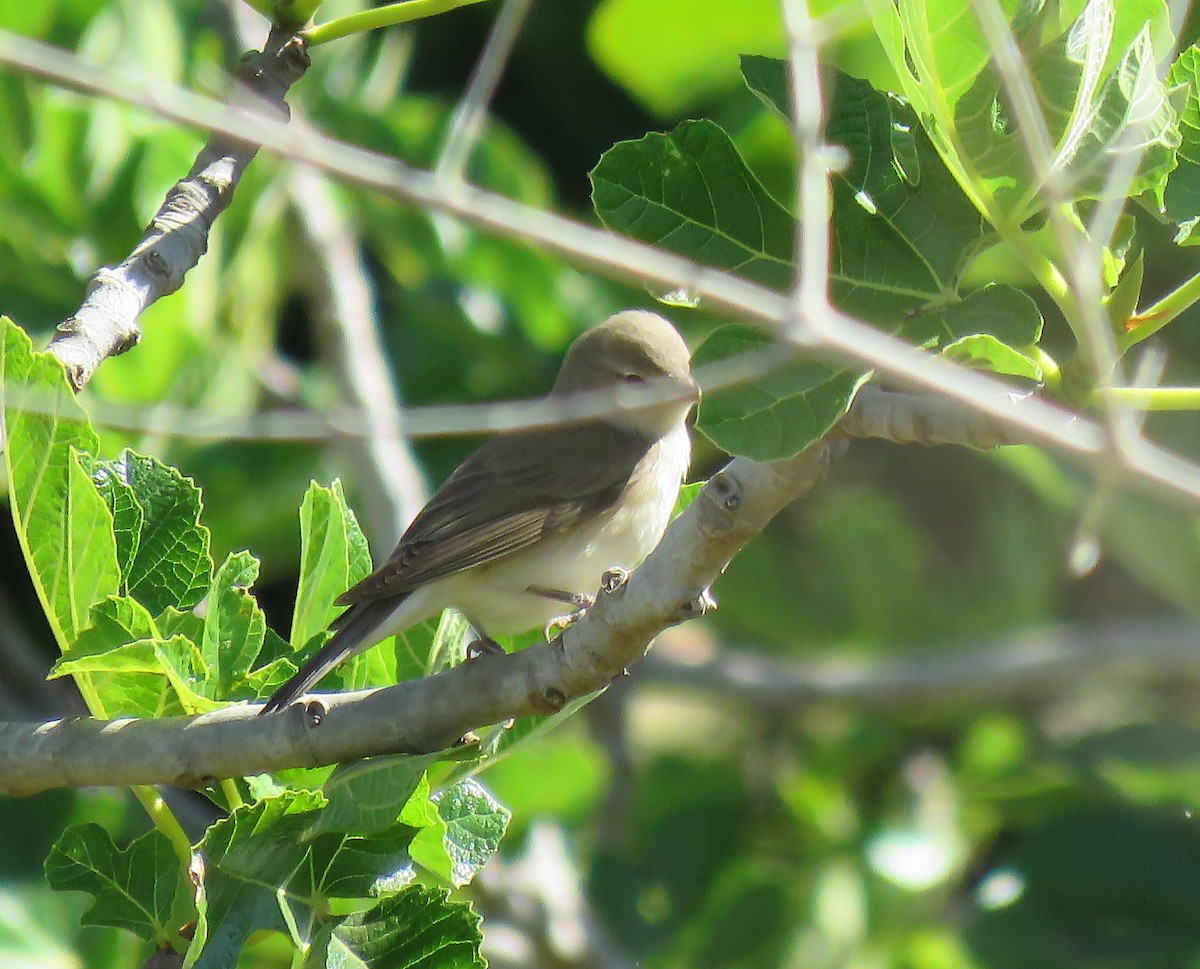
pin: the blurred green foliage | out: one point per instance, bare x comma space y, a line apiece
927, 835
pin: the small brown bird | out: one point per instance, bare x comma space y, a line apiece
533, 518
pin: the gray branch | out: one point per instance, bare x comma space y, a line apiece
107, 322
924, 419
429, 714
1025, 668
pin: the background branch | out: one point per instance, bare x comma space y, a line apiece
1024, 668
345, 306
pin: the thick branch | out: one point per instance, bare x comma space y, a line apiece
432, 713
107, 322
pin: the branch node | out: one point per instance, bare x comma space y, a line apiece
314, 714
613, 580
726, 491
701, 603
553, 699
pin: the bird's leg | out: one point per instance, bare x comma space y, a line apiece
580, 600
483, 645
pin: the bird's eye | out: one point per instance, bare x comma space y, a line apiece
633, 378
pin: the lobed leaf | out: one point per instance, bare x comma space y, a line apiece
373, 794
264, 869
63, 524
134, 888
163, 548
471, 824
418, 928
779, 413
333, 557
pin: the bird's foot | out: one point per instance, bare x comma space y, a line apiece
484, 645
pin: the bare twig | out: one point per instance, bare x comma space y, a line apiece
471, 110
106, 323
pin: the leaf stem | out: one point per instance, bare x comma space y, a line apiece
263, 7
386, 16
1153, 318
1157, 398
165, 821
233, 797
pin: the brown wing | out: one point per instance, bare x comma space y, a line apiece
508, 495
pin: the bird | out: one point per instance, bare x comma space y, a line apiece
533, 518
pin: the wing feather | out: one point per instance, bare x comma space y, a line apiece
510, 494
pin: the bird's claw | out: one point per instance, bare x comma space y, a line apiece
559, 623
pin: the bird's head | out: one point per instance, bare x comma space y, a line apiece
634, 349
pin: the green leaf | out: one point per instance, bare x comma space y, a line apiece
1122, 302
628, 39
263, 869
984, 352
163, 548
777, 414
234, 628
134, 889
690, 192
136, 667
1002, 312
687, 494
449, 644
370, 795
1133, 114
1181, 196
1098, 90
901, 229
946, 42
62, 523
472, 824
418, 928
894, 168
333, 557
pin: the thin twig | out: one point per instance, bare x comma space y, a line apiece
810, 292
466, 124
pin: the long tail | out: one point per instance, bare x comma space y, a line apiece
353, 630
